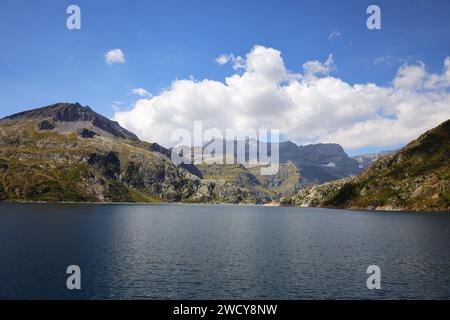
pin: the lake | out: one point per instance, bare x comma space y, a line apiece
220, 252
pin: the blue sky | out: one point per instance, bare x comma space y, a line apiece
42, 62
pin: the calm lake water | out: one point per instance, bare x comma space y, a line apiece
220, 252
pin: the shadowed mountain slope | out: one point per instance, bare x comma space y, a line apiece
416, 178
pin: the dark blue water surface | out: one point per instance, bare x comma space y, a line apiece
220, 252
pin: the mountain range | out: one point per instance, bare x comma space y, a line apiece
69, 153
299, 166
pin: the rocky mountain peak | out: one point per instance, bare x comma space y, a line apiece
57, 111
73, 117
68, 112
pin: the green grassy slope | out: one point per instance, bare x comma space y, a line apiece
415, 178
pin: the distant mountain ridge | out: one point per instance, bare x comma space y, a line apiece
365, 160
319, 163
300, 166
415, 178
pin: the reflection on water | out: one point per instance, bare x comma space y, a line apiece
220, 252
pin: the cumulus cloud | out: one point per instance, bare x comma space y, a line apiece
313, 68
115, 56
410, 77
416, 77
308, 107
141, 92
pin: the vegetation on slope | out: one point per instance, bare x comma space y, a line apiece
415, 178
66, 152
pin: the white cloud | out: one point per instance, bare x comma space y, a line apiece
416, 77
141, 92
334, 35
115, 56
313, 68
238, 62
439, 81
410, 77
224, 58
308, 108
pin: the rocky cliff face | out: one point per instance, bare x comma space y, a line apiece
365, 160
319, 163
416, 178
66, 152
300, 166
